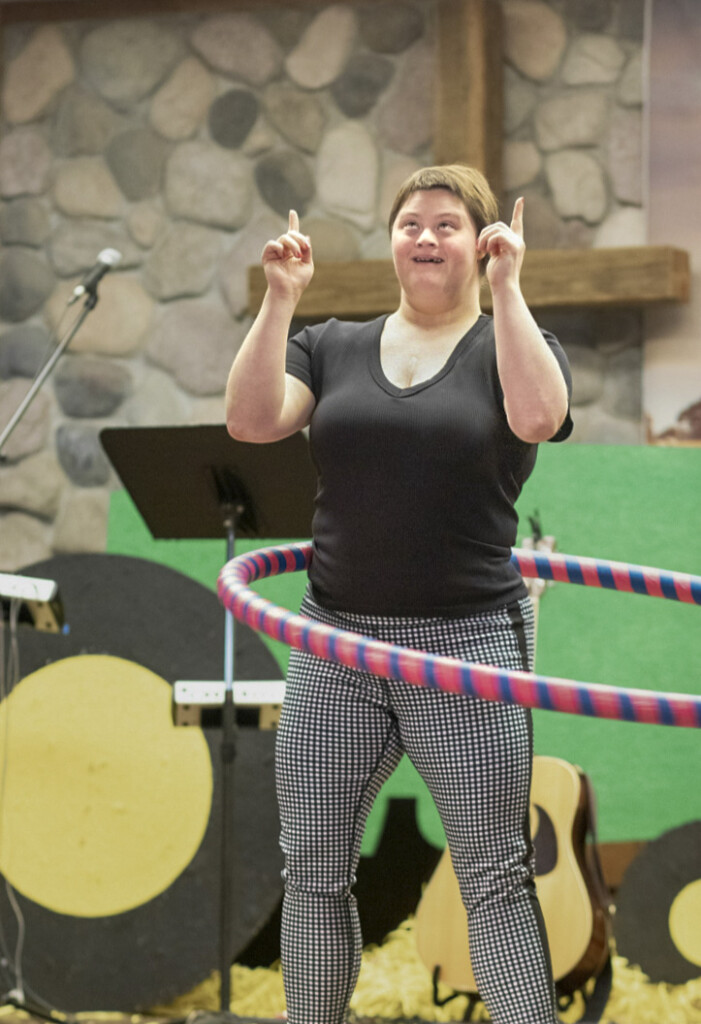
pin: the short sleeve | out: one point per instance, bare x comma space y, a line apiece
557, 350
298, 361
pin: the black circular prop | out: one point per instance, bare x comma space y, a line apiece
162, 620
651, 884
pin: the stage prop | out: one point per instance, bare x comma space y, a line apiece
658, 907
198, 482
527, 689
111, 830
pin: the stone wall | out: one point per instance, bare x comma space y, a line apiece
182, 142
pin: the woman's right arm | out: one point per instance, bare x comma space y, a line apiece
263, 402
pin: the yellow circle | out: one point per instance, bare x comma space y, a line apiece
105, 801
685, 922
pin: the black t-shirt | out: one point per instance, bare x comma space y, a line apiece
415, 510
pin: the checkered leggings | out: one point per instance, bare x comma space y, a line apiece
342, 733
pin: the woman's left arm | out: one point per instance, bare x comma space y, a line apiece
535, 392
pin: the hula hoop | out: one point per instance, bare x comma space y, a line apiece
455, 676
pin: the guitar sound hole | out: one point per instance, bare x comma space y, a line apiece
545, 843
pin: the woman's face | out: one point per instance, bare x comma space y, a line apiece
434, 248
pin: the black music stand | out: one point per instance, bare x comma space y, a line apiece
198, 483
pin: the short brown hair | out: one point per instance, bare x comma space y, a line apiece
467, 183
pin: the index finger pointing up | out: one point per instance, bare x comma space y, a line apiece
294, 221
517, 217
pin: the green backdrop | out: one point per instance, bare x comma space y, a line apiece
630, 504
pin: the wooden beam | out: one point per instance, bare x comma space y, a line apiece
631, 276
469, 91
551, 278
353, 289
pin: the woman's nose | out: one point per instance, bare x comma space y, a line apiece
426, 235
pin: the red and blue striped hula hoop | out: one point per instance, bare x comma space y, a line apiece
452, 675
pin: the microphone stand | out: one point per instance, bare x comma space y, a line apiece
90, 303
232, 514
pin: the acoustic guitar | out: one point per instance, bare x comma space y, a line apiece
570, 886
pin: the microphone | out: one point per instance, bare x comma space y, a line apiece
107, 259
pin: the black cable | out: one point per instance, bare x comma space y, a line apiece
36, 1011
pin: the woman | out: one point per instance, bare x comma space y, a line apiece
424, 425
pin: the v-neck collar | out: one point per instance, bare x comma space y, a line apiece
386, 384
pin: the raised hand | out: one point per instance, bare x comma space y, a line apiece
287, 261
505, 247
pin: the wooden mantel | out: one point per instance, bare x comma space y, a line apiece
551, 278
